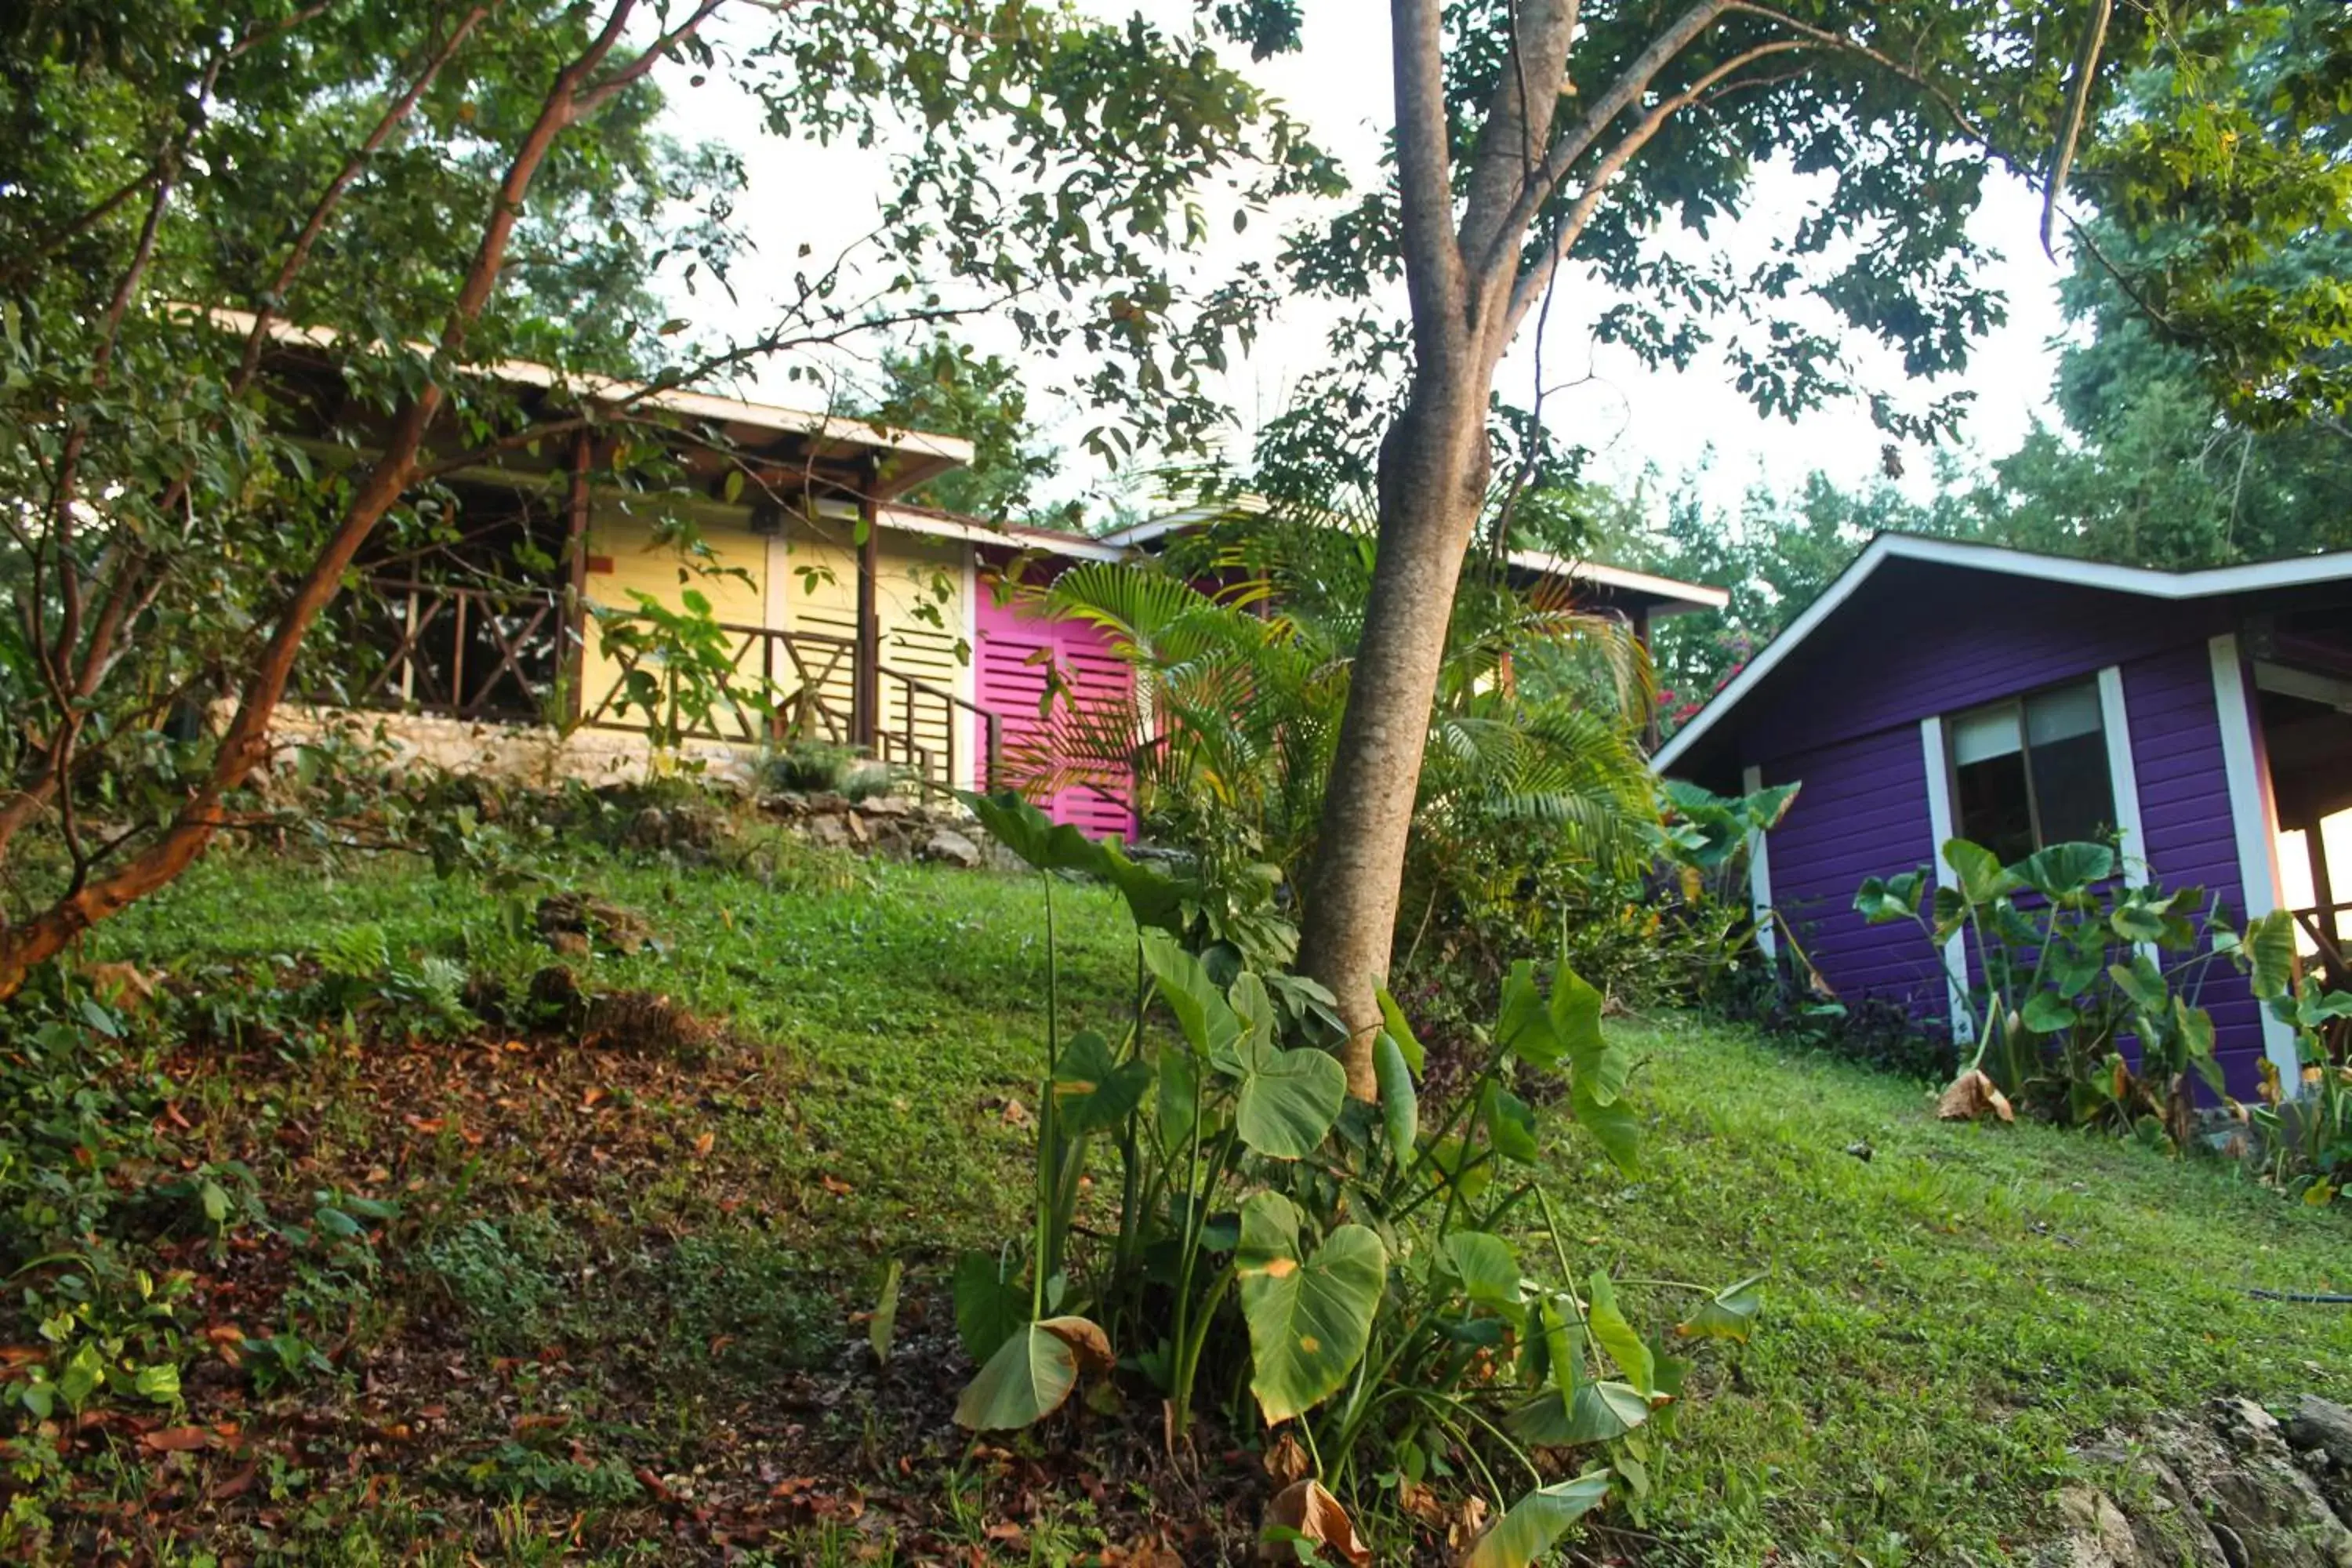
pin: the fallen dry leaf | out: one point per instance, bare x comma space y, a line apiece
1971, 1095
1315, 1513
702, 1142
836, 1186
176, 1439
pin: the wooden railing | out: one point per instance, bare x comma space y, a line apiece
463, 653
2321, 924
506, 656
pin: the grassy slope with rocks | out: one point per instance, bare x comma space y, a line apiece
618, 1313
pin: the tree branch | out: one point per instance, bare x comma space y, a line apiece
274, 297
1424, 187
1533, 282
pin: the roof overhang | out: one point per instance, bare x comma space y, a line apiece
914, 456
1664, 595
2143, 580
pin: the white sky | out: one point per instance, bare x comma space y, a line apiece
1632, 417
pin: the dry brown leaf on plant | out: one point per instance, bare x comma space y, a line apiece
1305, 1507
1286, 1462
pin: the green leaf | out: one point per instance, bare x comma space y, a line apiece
1981, 877
990, 1305
1029, 832
2142, 982
1880, 900
1289, 1099
1538, 1520
1510, 1124
1523, 1024
2046, 1013
1729, 1314
1392, 1019
1025, 1381
2135, 920
1093, 1091
1200, 1009
160, 1383
1612, 1126
882, 1326
1399, 1104
2063, 872
2270, 948
1614, 1334
1595, 1412
1487, 1268
1309, 1316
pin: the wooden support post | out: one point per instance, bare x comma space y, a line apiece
865, 709
575, 619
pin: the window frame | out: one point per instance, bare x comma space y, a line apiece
2015, 704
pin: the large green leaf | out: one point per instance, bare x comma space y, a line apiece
1093, 1090
1538, 1520
1029, 832
2270, 948
1025, 1381
1981, 877
1612, 1124
1883, 899
1617, 1336
1393, 1019
1594, 1413
2142, 982
1510, 1124
1399, 1104
1289, 1099
990, 1306
1200, 1009
2063, 872
1729, 1314
2047, 1014
1309, 1316
1487, 1267
1523, 1024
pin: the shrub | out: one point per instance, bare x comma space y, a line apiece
2069, 960
1351, 1264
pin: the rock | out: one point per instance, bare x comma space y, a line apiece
569, 943
830, 830
556, 999
2097, 1533
858, 833
2321, 1425
2220, 1489
886, 805
947, 846
649, 829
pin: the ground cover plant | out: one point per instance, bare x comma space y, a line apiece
608, 1296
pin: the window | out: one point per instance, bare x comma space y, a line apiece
2033, 772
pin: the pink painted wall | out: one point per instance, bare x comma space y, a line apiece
1009, 662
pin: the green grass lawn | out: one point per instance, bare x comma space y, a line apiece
1943, 1319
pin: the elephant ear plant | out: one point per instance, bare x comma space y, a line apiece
1350, 1269
2062, 960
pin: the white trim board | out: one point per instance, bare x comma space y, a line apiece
1885, 547
2256, 833
1940, 829
2123, 775
1760, 874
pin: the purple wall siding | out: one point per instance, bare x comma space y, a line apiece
2184, 804
1944, 640
1862, 812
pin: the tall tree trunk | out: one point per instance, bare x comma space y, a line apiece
1432, 480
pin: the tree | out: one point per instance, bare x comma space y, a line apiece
1537, 138
427, 190
944, 386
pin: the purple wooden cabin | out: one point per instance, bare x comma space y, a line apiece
1938, 689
